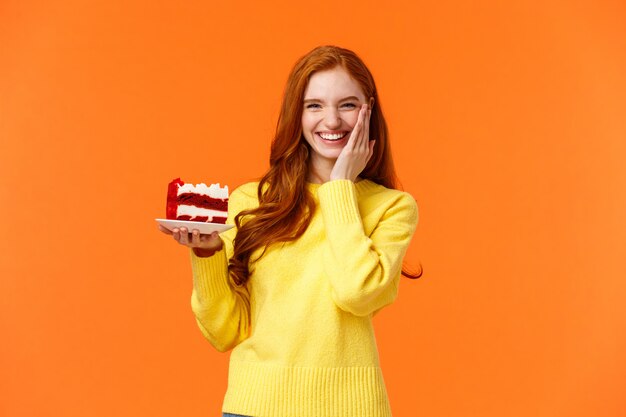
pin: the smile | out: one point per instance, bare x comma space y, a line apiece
332, 136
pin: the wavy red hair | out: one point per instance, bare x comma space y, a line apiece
285, 205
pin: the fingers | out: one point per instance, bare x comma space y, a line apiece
194, 239
176, 234
361, 144
184, 236
198, 239
164, 230
372, 143
355, 137
180, 235
366, 130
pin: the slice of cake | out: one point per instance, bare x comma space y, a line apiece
197, 203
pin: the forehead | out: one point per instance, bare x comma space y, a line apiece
333, 84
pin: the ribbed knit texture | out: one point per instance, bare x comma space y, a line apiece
301, 329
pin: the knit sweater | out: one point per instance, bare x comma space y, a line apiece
301, 328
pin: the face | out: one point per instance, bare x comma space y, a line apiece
332, 101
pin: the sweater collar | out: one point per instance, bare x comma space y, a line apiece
360, 186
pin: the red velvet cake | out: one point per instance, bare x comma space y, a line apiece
197, 203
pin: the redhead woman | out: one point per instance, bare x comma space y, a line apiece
315, 253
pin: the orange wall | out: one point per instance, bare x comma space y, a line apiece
508, 125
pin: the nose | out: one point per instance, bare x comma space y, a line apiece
332, 118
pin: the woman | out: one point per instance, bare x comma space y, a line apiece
316, 252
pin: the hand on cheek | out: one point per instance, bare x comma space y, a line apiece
354, 156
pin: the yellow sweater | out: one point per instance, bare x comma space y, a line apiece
301, 329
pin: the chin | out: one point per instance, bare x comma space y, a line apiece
331, 155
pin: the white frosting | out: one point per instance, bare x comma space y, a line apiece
194, 211
214, 190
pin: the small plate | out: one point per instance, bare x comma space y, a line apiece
203, 227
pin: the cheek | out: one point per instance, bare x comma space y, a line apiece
306, 129
308, 123
352, 119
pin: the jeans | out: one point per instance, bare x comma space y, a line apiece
233, 415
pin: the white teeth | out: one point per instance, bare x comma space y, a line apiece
333, 136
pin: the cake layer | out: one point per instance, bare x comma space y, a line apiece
202, 201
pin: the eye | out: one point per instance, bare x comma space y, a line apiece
315, 105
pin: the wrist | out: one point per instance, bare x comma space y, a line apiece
204, 253
338, 176
341, 178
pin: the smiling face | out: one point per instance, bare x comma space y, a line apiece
332, 101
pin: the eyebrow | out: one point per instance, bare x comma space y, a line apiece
343, 99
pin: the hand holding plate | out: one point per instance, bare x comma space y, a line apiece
203, 245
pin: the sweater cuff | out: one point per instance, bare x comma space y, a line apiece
210, 275
339, 202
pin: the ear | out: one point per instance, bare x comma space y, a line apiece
372, 102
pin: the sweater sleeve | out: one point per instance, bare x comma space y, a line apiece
364, 272
222, 310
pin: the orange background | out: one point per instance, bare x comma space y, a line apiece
508, 126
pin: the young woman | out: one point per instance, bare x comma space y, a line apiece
316, 252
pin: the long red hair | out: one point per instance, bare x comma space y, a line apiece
285, 205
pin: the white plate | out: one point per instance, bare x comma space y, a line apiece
203, 227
